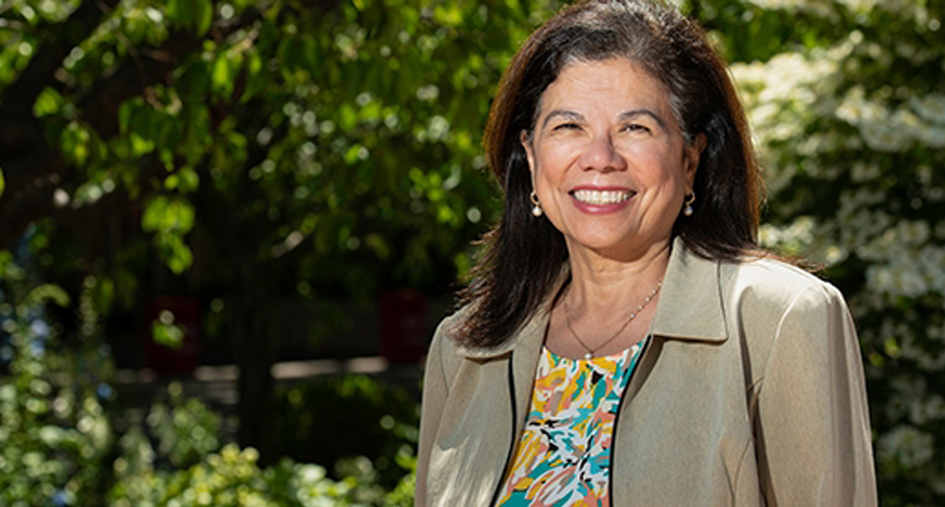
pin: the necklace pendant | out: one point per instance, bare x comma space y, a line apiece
590, 352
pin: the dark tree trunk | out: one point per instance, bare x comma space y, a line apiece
255, 345
252, 308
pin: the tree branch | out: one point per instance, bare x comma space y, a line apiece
32, 168
149, 66
19, 97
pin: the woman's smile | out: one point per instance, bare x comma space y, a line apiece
600, 200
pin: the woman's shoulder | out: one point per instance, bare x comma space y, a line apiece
448, 332
450, 326
772, 282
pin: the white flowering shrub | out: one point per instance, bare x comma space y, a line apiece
850, 136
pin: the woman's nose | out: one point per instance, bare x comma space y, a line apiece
601, 155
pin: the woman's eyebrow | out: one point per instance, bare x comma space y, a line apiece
563, 113
625, 116
629, 115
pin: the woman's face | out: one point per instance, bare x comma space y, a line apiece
608, 159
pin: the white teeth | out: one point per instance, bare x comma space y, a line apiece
602, 197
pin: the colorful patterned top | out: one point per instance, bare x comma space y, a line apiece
563, 458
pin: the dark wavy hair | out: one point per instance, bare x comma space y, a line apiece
522, 255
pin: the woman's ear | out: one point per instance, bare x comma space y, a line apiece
526, 139
691, 157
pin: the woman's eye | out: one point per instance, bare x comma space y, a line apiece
636, 127
567, 126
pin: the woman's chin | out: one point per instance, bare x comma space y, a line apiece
613, 247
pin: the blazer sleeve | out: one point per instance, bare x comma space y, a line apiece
435, 392
812, 426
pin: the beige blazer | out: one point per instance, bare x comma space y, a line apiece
750, 393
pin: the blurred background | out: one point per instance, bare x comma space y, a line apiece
227, 228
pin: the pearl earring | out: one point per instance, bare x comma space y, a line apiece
536, 206
690, 198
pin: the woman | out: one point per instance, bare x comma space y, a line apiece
624, 341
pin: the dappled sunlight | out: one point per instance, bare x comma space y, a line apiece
204, 204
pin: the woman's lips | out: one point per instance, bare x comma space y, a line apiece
600, 200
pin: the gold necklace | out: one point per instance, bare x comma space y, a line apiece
633, 315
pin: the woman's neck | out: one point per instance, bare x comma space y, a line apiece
609, 304
599, 282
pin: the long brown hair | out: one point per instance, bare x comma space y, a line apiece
523, 255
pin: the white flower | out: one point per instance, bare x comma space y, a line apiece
931, 136
884, 136
931, 107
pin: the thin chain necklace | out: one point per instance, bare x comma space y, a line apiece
633, 315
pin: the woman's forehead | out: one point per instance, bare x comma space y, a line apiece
616, 85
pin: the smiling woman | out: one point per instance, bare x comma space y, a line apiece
624, 340
608, 160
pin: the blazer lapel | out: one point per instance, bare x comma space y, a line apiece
690, 305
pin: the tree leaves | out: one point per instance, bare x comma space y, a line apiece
195, 15
48, 102
170, 219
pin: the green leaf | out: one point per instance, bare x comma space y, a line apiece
189, 180
3, 182
255, 77
48, 102
169, 335
125, 112
194, 81
171, 182
347, 117
103, 295
180, 13
140, 145
222, 75
175, 252
49, 292
198, 137
165, 215
203, 16
75, 143
184, 180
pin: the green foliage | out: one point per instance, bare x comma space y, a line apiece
169, 335
64, 440
54, 430
232, 478
52, 438
57, 444
170, 219
185, 429
165, 332
188, 467
357, 128
373, 425
196, 471
196, 15
310, 149
402, 495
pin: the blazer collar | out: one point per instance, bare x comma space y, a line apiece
531, 335
690, 307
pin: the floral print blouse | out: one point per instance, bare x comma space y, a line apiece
563, 458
